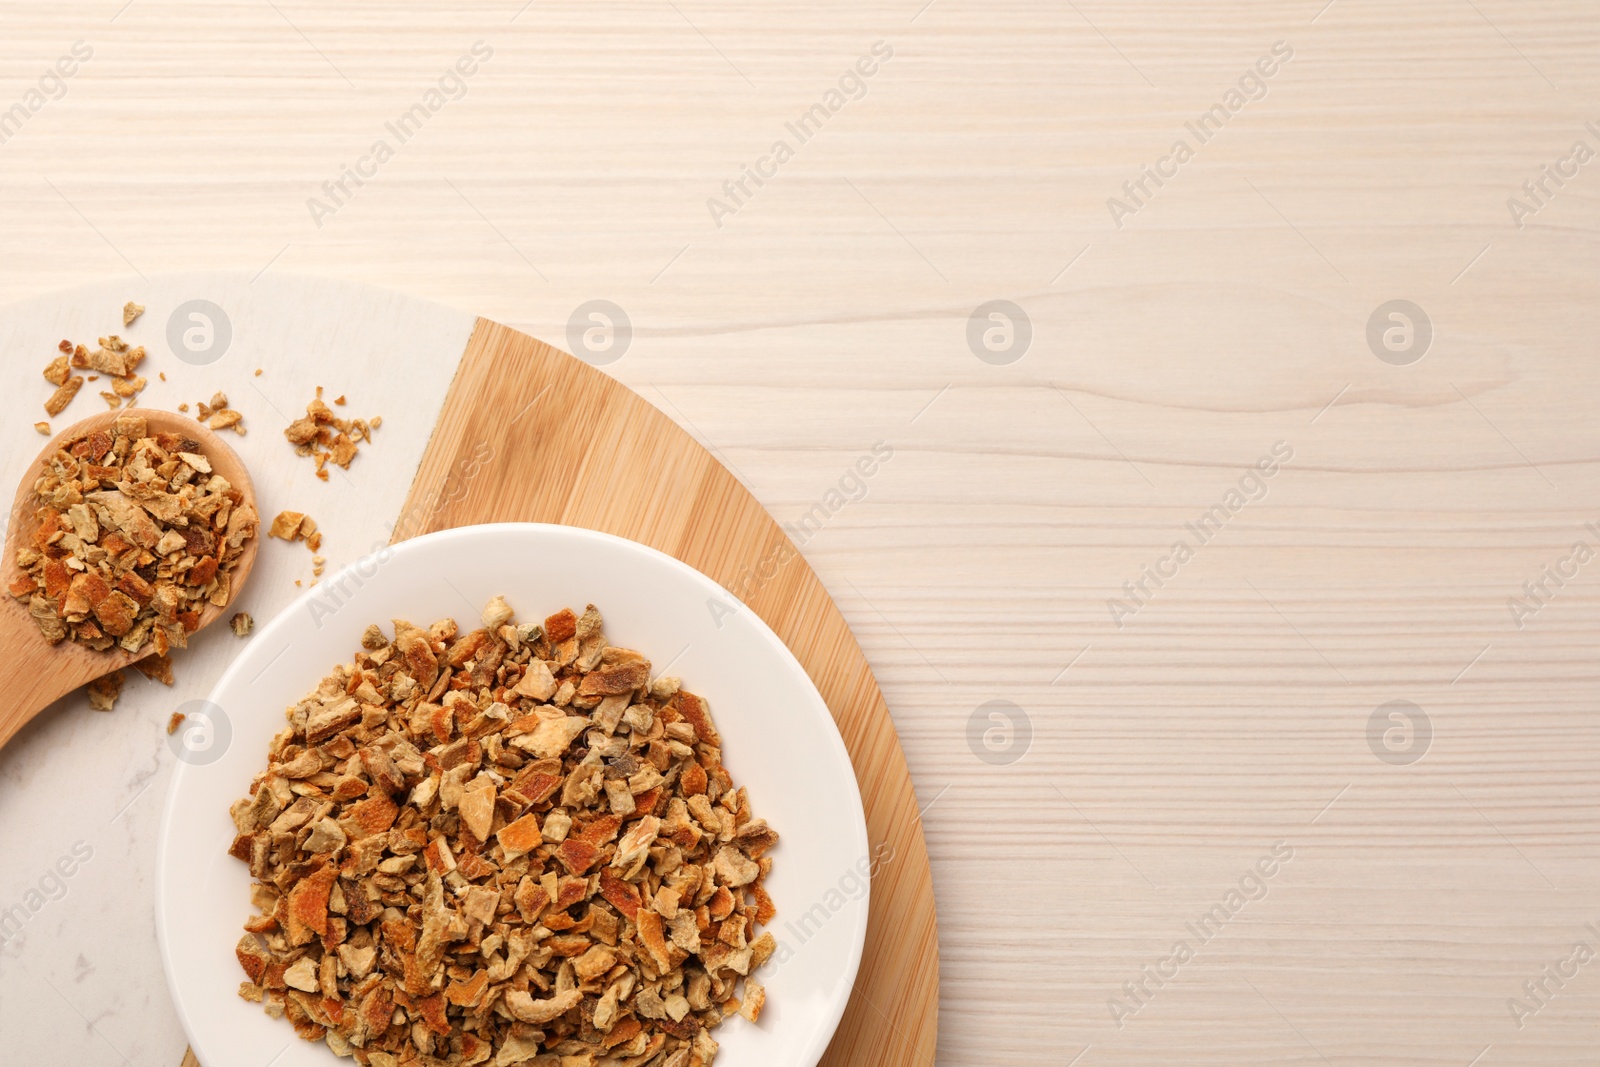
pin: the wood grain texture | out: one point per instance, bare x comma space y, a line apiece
39, 673
1168, 355
531, 434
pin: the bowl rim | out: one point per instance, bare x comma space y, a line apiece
823, 1035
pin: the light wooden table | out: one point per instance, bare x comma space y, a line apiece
1163, 758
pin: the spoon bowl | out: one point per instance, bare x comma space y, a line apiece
40, 673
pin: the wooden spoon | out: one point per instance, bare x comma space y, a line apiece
37, 672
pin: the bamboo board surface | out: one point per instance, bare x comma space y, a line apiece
530, 434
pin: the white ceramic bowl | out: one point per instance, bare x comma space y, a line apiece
779, 741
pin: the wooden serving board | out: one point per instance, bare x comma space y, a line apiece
530, 434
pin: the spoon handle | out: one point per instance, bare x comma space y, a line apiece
37, 674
